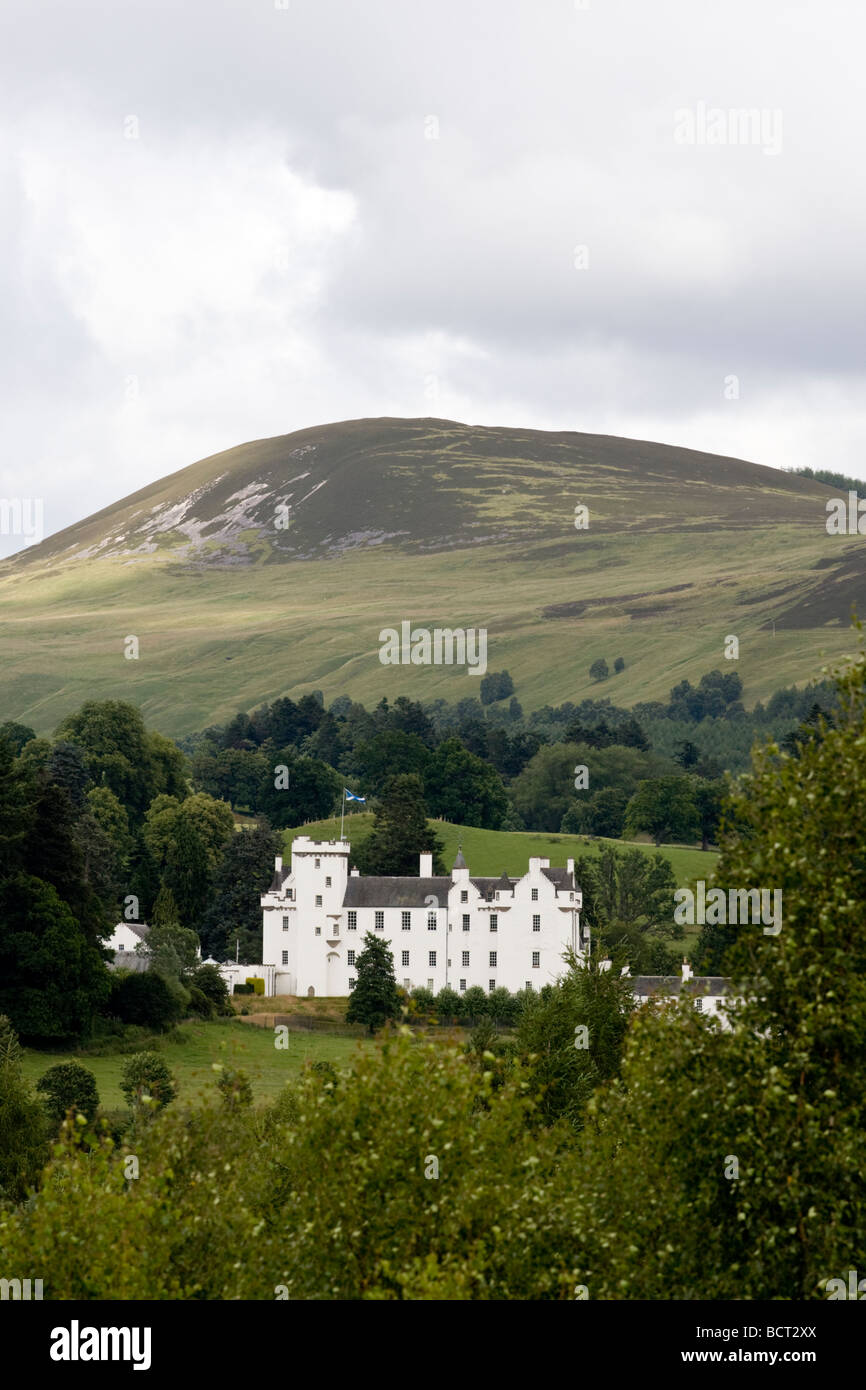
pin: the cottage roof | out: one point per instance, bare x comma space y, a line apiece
648, 985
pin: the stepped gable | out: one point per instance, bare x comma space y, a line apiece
562, 879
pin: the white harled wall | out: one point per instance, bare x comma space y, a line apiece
307, 937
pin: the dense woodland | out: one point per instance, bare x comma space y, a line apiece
110, 821
599, 1151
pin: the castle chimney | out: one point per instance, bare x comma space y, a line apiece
425, 869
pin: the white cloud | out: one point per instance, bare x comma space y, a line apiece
282, 246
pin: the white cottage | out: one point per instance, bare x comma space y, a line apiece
710, 994
457, 930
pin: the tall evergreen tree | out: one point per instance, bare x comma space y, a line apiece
234, 911
400, 832
374, 999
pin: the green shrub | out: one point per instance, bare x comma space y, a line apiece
473, 1005
244, 989
146, 1080
145, 999
199, 1003
234, 1087
69, 1086
256, 983
211, 983
115, 1123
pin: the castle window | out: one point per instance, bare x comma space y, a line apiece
379, 922
290, 894
464, 896
699, 1005
285, 924
405, 957
431, 958
465, 960
327, 883
318, 900
491, 985
536, 923
494, 922
465, 921
350, 957
285, 957
462, 986
352, 921
431, 921
405, 920
351, 984
536, 960
407, 984
318, 863
492, 960
535, 895
318, 931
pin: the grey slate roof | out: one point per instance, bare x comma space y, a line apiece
460, 862
489, 887
561, 879
378, 891
647, 985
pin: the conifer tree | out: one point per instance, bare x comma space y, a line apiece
374, 999
400, 831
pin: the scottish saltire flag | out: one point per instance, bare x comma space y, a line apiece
350, 796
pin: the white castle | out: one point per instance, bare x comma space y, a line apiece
458, 931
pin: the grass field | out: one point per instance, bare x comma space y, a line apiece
203, 1044
441, 525
488, 852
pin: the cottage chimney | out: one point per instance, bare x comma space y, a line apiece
279, 863
425, 869
687, 971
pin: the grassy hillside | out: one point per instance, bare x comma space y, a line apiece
489, 852
444, 525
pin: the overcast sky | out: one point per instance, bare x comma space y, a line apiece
226, 219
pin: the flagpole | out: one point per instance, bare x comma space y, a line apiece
342, 812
